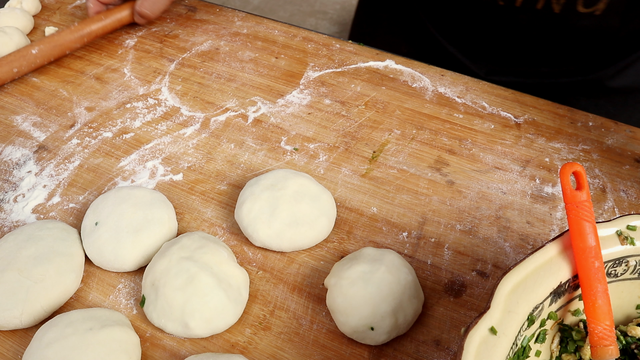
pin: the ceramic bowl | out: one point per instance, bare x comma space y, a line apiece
547, 281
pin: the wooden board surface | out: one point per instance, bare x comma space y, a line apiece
456, 175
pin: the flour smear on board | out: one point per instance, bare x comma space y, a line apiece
33, 183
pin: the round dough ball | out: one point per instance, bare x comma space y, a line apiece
41, 267
17, 17
33, 7
194, 287
373, 295
95, 333
12, 39
124, 227
216, 356
285, 210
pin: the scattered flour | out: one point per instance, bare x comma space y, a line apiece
125, 297
285, 146
32, 184
30, 124
41, 182
420, 82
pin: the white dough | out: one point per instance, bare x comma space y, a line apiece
124, 227
373, 295
41, 267
50, 30
33, 7
17, 17
12, 39
216, 356
285, 210
94, 333
194, 287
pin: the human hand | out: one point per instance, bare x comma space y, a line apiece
143, 12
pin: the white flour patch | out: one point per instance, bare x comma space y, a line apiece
26, 195
275, 111
125, 297
150, 174
33, 183
417, 81
130, 42
260, 108
409, 76
144, 111
285, 146
29, 124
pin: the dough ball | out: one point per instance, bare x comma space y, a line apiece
373, 295
33, 7
124, 227
216, 356
50, 30
94, 333
194, 287
17, 17
285, 210
41, 267
12, 39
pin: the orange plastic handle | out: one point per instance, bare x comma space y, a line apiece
61, 43
589, 262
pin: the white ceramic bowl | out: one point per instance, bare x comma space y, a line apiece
547, 281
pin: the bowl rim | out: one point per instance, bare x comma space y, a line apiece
474, 322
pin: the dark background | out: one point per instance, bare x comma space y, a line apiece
555, 50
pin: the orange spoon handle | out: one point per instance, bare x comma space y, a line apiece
61, 43
588, 257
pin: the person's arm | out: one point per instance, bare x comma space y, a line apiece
144, 11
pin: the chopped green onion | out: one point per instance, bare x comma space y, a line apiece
578, 334
577, 312
542, 337
632, 227
142, 301
553, 316
531, 319
538, 353
543, 323
493, 330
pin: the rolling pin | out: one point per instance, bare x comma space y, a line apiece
63, 42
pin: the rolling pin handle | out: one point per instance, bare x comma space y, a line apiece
61, 43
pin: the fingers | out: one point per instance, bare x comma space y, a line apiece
144, 11
95, 7
147, 10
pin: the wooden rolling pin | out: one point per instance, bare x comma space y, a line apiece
63, 42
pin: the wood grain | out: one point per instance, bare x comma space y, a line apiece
458, 176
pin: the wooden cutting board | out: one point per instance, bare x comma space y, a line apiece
456, 175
